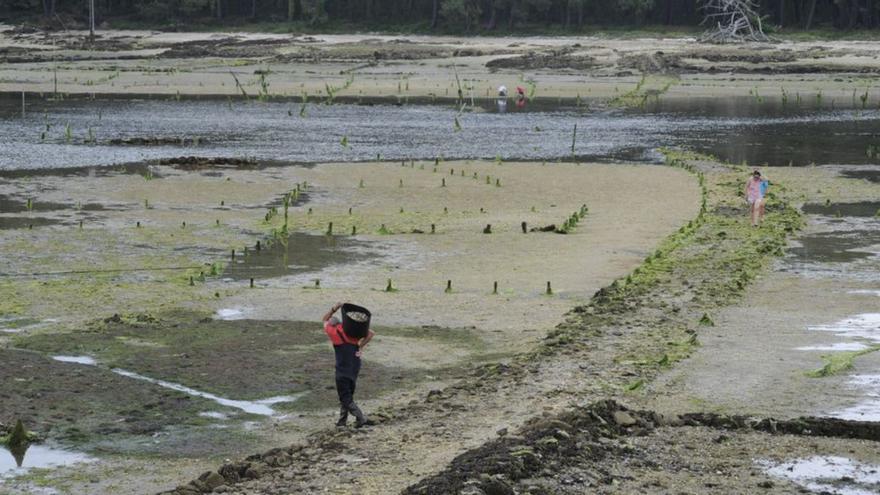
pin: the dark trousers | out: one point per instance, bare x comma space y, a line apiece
345, 389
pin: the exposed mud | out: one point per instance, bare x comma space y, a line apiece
577, 451
202, 162
557, 59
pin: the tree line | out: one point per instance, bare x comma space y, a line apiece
470, 16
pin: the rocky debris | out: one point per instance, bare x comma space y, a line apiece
753, 56
554, 59
651, 63
507, 464
200, 162
229, 47
131, 319
806, 426
574, 448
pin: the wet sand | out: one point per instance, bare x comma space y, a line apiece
429, 333
756, 358
830, 74
430, 336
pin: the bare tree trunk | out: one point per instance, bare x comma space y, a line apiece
668, 12
92, 20
49, 8
510, 15
567, 14
581, 13
493, 17
780, 16
810, 14
368, 10
435, 14
218, 9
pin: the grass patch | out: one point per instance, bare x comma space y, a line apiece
839, 362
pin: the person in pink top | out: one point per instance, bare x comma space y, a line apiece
756, 187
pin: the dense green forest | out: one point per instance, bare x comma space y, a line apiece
473, 16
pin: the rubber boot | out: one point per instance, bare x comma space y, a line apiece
343, 416
360, 419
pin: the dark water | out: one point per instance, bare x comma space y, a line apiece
732, 129
860, 209
303, 253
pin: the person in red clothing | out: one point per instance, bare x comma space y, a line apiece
348, 364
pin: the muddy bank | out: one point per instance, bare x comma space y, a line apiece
629, 332
420, 66
585, 449
186, 351
767, 350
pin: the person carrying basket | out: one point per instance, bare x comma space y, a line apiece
349, 338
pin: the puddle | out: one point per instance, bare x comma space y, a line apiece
869, 408
304, 253
86, 360
213, 415
16, 325
866, 292
19, 461
10, 223
230, 314
869, 175
865, 326
9, 204
860, 209
834, 247
260, 407
828, 474
836, 347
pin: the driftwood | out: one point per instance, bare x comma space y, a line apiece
732, 21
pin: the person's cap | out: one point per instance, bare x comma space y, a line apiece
756, 173
502, 89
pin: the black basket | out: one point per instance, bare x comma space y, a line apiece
355, 329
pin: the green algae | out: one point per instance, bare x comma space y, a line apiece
839, 362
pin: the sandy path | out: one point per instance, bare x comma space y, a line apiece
751, 361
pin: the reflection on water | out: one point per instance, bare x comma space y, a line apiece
839, 247
302, 253
860, 209
868, 409
827, 474
262, 407
36, 456
268, 131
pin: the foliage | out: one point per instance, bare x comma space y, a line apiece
545, 16
461, 12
